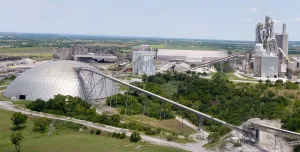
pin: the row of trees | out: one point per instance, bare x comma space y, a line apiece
73, 107
232, 102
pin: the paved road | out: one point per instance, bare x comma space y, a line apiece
193, 147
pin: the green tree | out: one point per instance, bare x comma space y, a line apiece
16, 138
279, 83
98, 132
144, 77
41, 124
135, 137
213, 137
18, 119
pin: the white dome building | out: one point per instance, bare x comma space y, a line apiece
46, 80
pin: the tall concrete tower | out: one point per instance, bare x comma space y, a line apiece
285, 40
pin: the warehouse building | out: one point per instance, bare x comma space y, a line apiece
192, 56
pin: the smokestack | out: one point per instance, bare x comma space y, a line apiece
284, 29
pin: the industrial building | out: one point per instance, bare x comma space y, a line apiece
271, 51
190, 56
69, 53
7, 64
102, 58
46, 80
143, 60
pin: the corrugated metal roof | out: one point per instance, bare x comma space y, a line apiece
191, 53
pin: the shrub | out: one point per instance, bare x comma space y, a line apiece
92, 131
170, 138
158, 131
279, 82
123, 135
116, 135
135, 137
213, 137
237, 144
98, 132
150, 132
18, 118
41, 124
260, 81
268, 81
270, 94
291, 96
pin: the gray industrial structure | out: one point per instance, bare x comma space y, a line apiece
69, 53
144, 60
81, 54
271, 51
102, 58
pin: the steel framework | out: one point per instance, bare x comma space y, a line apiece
250, 130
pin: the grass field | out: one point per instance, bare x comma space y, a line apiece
110, 44
68, 141
172, 125
27, 50
2, 98
34, 56
231, 76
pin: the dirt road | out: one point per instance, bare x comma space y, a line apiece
193, 147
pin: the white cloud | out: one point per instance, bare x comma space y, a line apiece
249, 10
207, 2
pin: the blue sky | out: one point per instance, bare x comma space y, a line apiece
203, 19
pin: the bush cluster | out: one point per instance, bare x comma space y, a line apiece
119, 135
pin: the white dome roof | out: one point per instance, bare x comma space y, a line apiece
56, 77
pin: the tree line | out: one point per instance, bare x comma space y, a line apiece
228, 101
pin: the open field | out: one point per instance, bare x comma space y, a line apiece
232, 76
68, 141
110, 44
34, 56
170, 125
2, 98
27, 50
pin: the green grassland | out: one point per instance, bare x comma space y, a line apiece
2, 98
172, 125
68, 141
231, 76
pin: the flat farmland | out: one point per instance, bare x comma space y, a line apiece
110, 44
26, 50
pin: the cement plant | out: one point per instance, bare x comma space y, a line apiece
192, 95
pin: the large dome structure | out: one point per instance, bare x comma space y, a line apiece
46, 80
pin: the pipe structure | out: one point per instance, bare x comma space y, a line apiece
277, 131
125, 68
221, 59
167, 100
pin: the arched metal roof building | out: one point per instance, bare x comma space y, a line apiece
46, 80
